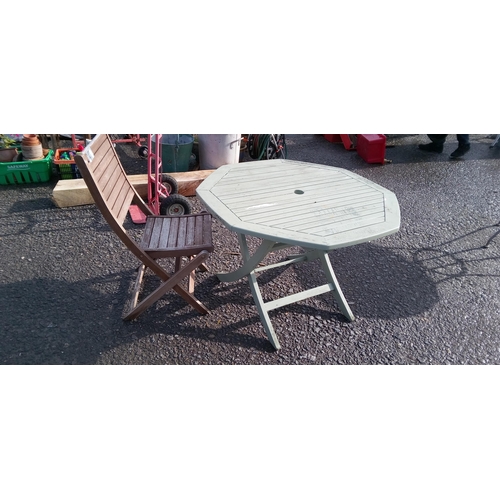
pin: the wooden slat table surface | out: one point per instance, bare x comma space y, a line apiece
294, 202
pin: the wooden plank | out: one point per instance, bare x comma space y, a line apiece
74, 192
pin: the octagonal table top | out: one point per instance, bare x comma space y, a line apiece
300, 203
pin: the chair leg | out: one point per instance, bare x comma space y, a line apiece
191, 277
178, 263
203, 268
170, 284
137, 285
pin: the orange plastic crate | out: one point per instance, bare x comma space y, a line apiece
66, 169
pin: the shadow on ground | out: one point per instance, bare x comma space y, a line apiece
87, 319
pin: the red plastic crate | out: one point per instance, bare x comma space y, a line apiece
349, 141
371, 147
332, 137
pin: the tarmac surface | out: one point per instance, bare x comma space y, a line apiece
428, 294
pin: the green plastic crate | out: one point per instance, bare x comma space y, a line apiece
27, 171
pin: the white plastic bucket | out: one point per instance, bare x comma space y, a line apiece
216, 150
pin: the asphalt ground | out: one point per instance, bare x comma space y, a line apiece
427, 295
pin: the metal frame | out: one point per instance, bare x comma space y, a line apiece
133, 138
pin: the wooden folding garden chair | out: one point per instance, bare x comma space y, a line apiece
179, 237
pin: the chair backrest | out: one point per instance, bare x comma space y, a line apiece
113, 193
107, 181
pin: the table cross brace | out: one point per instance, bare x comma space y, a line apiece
250, 269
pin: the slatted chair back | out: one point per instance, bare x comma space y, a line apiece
107, 181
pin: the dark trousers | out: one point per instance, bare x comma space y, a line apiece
463, 139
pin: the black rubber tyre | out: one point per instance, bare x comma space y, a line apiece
175, 204
253, 140
143, 152
196, 152
170, 183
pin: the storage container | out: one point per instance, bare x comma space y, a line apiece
66, 168
27, 171
348, 140
175, 151
371, 147
8, 154
332, 137
218, 149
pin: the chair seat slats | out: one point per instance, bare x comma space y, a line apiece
171, 240
177, 234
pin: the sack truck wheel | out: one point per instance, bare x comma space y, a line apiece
175, 204
170, 184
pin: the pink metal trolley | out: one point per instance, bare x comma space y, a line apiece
130, 138
163, 195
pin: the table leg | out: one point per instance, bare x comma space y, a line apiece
249, 263
254, 287
249, 268
331, 279
337, 292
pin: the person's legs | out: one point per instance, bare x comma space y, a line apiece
436, 146
437, 138
463, 146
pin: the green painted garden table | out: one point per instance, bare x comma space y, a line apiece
289, 203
